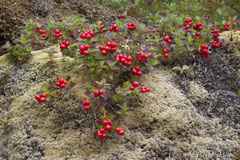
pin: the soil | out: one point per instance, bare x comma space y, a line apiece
184, 116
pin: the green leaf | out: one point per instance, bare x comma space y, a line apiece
185, 67
45, 89
124, 107
153, 62
48, 98
176, 69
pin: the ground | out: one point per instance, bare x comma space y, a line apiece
182, 116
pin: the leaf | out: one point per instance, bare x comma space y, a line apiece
45, 89
185, 67
153, 62
124, 107
176, 69
48, 98
126, 85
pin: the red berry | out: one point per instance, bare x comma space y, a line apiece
165, 55
164, 50
116, 30
165, 38
67, 43
44, 95
122, 16
86, 46
43, 99
145, 56
143, 90
129, 58
135, 84
81, 47
117, 129
57, 31
60, 19
109, 122
62, 85
114, 26
109, 44
101, 48
87, 108
60, 80
140, 59
57, 84
169, 41
108, 127
84, 103
44, 35
121, 132
101, 91
37, 97
114, 49
96, 93
134, 71
99, 134
104, 135
198, 34
147, 89
86, 52
104, 122
104, 52
100, 137
102, 130
88, 36
142, 87
87, 102
110, 29
139, 73
107, 48
131, 88
137, 68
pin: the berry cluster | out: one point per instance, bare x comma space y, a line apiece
98, 93
101, 135
89, 34
102, 26
113, 28
188, 24
144, 89
198, 26
142, 56
119, 131
110, 46
131, 26
167, 39
122, 16
57, 33
165, 53
204, 51
86, 104
135, 84
215, 43
64, 45
215, 32
137, 71
41, 98
61, 83
125, 60
84, 49
43, 32
60, 19
226, 27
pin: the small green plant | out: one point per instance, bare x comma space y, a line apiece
5, 124
180, 70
